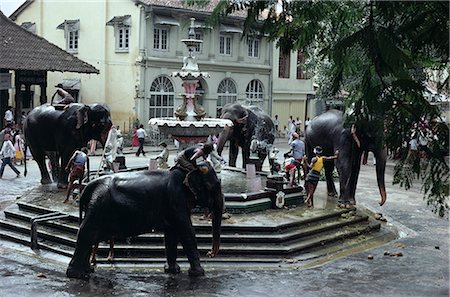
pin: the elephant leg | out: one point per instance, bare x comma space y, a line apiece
353, 184
39, 157
245, 157
234, 149
79, 266
111, 250
94, 254
54, 161
189, 243
348, 176
171, 242
329, 168
262, 157
63, 174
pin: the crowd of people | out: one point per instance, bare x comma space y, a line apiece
13, 150
295, 167
11, 143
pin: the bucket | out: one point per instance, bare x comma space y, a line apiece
152, 165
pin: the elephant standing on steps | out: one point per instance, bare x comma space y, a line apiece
327, 130
248, 123
58, 133
128, 204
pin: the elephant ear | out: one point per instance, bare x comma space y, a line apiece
195, 180
82, 116
243, 120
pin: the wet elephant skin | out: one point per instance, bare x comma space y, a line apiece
327, 130
248, 123
128, 204
57, 133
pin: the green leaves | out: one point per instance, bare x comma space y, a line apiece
380, 53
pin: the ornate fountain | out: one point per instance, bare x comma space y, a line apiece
189, 125
243, 193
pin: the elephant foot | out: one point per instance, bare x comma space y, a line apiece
46, 181
346, 204
76, 273
194, 272
62, 186
172, 269
332, 194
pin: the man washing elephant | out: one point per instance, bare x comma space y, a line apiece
188, 158
327, 130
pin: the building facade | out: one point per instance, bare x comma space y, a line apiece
292, 86
136, 46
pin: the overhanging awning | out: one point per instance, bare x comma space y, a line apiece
30, 26
230, 29
165, 20
124, 20
201, 25
71, 83
71, 25
254, 32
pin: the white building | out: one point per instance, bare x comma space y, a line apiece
136, 46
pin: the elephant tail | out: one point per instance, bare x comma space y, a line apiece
85, 198
25, 171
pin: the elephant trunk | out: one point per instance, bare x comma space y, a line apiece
104, 133
381, 157
216, 224
223, 137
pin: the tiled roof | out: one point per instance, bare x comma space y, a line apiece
182, 4
119, 20
23, 50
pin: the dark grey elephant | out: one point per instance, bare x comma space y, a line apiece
248, 123
128, 204
58, 133
327, 130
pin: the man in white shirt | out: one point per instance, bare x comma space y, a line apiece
141, 134
9, 116
8, 152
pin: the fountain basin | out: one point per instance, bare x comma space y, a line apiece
190, 74
190, 131
246, 195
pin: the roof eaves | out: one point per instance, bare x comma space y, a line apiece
21, 8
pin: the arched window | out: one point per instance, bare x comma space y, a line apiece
254, 93
226, 93
161, 98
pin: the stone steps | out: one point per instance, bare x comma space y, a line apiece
240, 242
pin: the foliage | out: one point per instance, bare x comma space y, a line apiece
381, 53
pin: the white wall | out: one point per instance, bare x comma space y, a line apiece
115, 85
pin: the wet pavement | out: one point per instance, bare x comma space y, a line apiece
422, 270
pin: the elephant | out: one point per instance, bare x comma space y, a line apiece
327, 130
58, 133
249, 123
128, 204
